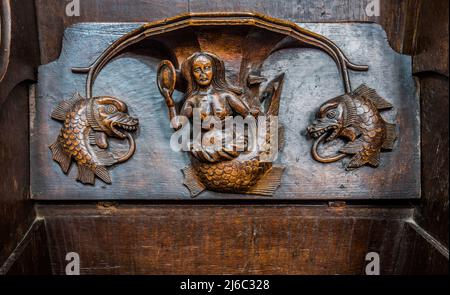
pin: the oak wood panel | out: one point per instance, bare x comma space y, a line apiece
431, 42
223, 239
16, 213
16, 209
23, 58
397, 17
430, 63
154, 171
31, 256
53, 20
432, 213
424, 254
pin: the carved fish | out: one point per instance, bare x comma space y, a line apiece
356, 117
83, 138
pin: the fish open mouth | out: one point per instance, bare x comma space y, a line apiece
121, 128
316, 132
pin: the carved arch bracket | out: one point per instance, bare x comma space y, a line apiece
223, 19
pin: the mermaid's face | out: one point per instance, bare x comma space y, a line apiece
202, 70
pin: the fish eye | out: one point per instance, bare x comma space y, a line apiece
331, 114
110, 109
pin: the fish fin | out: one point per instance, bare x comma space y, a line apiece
60, 156
253, 79
353, 147
85, 174
59, 113
351, 133
374, 159
379, 102
99, 139
104, 157
267, 185
191, 181
103, 174
391, 136
274, 99
281, 137
356, 162
351, 116
92, 138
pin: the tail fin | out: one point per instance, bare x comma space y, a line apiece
59, 113
192, 182
391, 136
103, 174
85, 174
267, 185
60, 156
379, 102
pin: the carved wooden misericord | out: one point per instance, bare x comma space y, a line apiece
210, 69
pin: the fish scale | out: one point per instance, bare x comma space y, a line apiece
71, 135
79, 118
360, 121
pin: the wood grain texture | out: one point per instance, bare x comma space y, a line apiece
225, 239
53, 20
431, 44
311, 78
24, 48
239, 238
433, 211
396, 16
31, 255
424, 254
430, 64
16, 210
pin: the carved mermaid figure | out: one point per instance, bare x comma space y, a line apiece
224, 160
215, 99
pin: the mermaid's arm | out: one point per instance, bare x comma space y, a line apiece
187, 108
238, 105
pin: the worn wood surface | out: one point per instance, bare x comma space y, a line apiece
433, 211
154, 172
398, 17
16, 210
224, 239
19, 59
424, 254
23, 57
431, 44
31, 255
430, 64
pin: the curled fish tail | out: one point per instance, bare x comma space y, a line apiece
59, 155
85, 174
